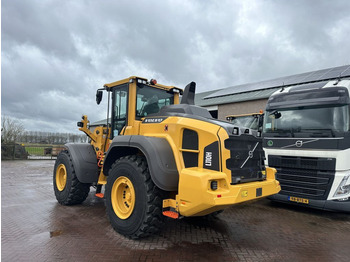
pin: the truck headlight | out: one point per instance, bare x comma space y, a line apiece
343, 188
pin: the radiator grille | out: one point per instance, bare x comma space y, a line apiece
246, 158
310, 178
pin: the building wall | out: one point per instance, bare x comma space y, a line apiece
241, 108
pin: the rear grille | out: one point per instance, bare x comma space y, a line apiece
310, 178
246, 158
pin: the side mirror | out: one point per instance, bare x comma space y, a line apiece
99, 94
275, 114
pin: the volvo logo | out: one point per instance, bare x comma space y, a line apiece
299, 143
250, 154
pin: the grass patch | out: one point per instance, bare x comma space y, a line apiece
35, 150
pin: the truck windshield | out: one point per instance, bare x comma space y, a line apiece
307, 119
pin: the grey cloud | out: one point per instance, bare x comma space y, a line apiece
55, 54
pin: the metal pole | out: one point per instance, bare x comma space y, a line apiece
14, 150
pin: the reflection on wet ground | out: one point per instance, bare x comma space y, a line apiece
36, 228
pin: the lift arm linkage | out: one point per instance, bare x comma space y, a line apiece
83, 127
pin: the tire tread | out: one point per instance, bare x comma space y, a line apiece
78, 191
153, 219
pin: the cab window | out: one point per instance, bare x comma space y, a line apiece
150, 100
119, 112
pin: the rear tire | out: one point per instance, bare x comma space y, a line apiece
68, 189
133, 201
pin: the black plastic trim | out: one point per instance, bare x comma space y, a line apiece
158, 153
84, 162
295, 162
211, 156
190, 159
127, 85
189, 139
246, 158
337, 95
305, 177
272, 140
329, 205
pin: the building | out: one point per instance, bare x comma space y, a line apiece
250, 98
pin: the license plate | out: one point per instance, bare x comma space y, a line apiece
298, 200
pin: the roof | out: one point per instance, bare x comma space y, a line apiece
140, 80
234, 98
263, 89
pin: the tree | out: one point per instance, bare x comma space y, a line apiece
11, 129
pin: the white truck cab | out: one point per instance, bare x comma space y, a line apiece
306, 137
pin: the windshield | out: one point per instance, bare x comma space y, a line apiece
251, 121
332, 118
150, 100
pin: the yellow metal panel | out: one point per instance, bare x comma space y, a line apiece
123, 81
102, 179
225, 153
170, 203
207, 134
250, 114
131, 129
196, 198
176, 99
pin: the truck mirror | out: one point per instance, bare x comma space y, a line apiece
99, 94
275, 114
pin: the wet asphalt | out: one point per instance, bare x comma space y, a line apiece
34, 227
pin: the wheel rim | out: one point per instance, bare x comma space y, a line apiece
123, 197
61, 177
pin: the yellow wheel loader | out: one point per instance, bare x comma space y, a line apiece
158, 157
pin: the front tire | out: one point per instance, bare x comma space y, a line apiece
68, 189
133, 201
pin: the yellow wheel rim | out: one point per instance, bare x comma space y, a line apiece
123, 197
61, 177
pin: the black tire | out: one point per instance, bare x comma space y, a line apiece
71, 192
145, 218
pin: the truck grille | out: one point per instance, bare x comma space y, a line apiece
246, 158
304, 177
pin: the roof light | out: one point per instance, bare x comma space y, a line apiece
153, 82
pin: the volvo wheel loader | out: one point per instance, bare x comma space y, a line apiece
157, 157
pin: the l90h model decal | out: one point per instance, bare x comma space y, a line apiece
211, 157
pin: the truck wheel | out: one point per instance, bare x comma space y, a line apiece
133, 201
68, 189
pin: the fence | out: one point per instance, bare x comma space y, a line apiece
20, 151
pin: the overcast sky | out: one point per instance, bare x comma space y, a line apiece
56, 53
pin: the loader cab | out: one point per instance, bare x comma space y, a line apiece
135, 98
